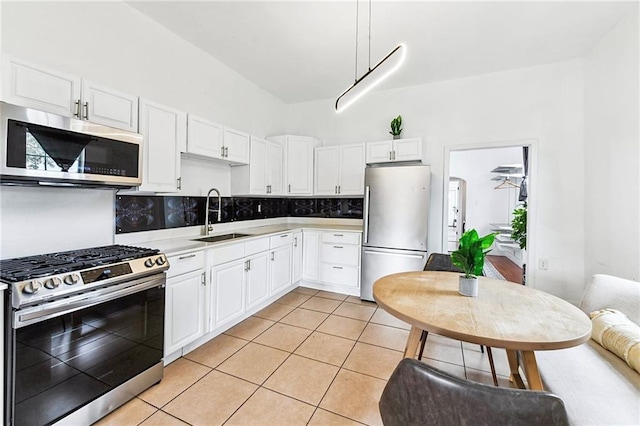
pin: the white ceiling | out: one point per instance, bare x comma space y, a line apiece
305, 50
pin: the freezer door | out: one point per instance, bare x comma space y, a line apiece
396, 207
376, 263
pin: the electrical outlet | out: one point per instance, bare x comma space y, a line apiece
543, 264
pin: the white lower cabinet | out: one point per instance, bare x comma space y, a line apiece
227, 292
332, 259
281, 267
184, 313
297, 257
184, 301
257, 278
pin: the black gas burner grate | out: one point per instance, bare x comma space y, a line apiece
24, 268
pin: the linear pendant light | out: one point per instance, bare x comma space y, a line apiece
372, 78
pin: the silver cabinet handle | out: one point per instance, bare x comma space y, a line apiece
186, 257
335, 189
226, 151
179, 183
338, 247
338, 235
339, 190
204, 279
390, 155
365, 216
289, 187
273, 256
295, 241
77, 113
284, 235
248, 264
222, 151
86, 110
337, 267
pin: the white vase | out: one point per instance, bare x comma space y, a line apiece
468, 286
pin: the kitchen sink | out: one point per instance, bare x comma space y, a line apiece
223, 237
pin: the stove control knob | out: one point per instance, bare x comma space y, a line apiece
71, 279
52, 283
148, 263
32, 287
160, 261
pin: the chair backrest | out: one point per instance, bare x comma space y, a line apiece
418, 394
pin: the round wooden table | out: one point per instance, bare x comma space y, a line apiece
503, 315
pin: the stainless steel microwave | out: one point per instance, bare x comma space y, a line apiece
41, 148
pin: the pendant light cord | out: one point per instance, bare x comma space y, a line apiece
356, 73
369, 35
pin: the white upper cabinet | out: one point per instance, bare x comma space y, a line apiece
394, 151
326, 171
165, 131
236, 146
205, 137
264, 174
36, 87
212, 140
339, 170
298, 163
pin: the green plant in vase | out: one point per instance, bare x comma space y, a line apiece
396, 127
469, 257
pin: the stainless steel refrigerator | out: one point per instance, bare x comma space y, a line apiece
396, 205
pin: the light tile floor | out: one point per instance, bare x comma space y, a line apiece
312, 357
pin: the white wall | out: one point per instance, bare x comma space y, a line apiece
485, 204
543, 103
114, 45
612, 153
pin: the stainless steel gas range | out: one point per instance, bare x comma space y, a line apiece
84, 332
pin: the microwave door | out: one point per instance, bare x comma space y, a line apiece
64, 153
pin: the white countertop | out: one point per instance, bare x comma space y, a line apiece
178, 245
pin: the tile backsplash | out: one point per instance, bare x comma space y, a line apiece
135, 213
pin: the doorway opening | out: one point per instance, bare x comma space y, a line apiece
485, 185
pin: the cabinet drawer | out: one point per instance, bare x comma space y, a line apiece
227, 253
341, 254
341, 237
338, 274
256, 246
280, 240
185, 263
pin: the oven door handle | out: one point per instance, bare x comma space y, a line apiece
28, 316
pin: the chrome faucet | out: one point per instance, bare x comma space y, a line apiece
207, 226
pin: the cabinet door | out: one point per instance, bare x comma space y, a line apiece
36, 87
227, 292
205, 137
236, 146
164, 130
299, 165
297, 256
258, 167
275, 169
257, 278
310, 255
326, 171
280, 268
184, 310
407, 149
351, 179
109, 107
379, 152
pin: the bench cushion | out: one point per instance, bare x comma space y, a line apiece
596, 386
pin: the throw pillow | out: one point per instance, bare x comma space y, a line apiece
617, 333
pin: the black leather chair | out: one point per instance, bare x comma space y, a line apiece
418, 394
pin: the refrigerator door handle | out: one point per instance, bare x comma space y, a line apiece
365, 216
382, 253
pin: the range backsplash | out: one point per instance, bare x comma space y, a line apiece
136, 213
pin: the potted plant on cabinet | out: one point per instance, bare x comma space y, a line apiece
470, 258
396, 127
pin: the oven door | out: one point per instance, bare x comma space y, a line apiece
67, 353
